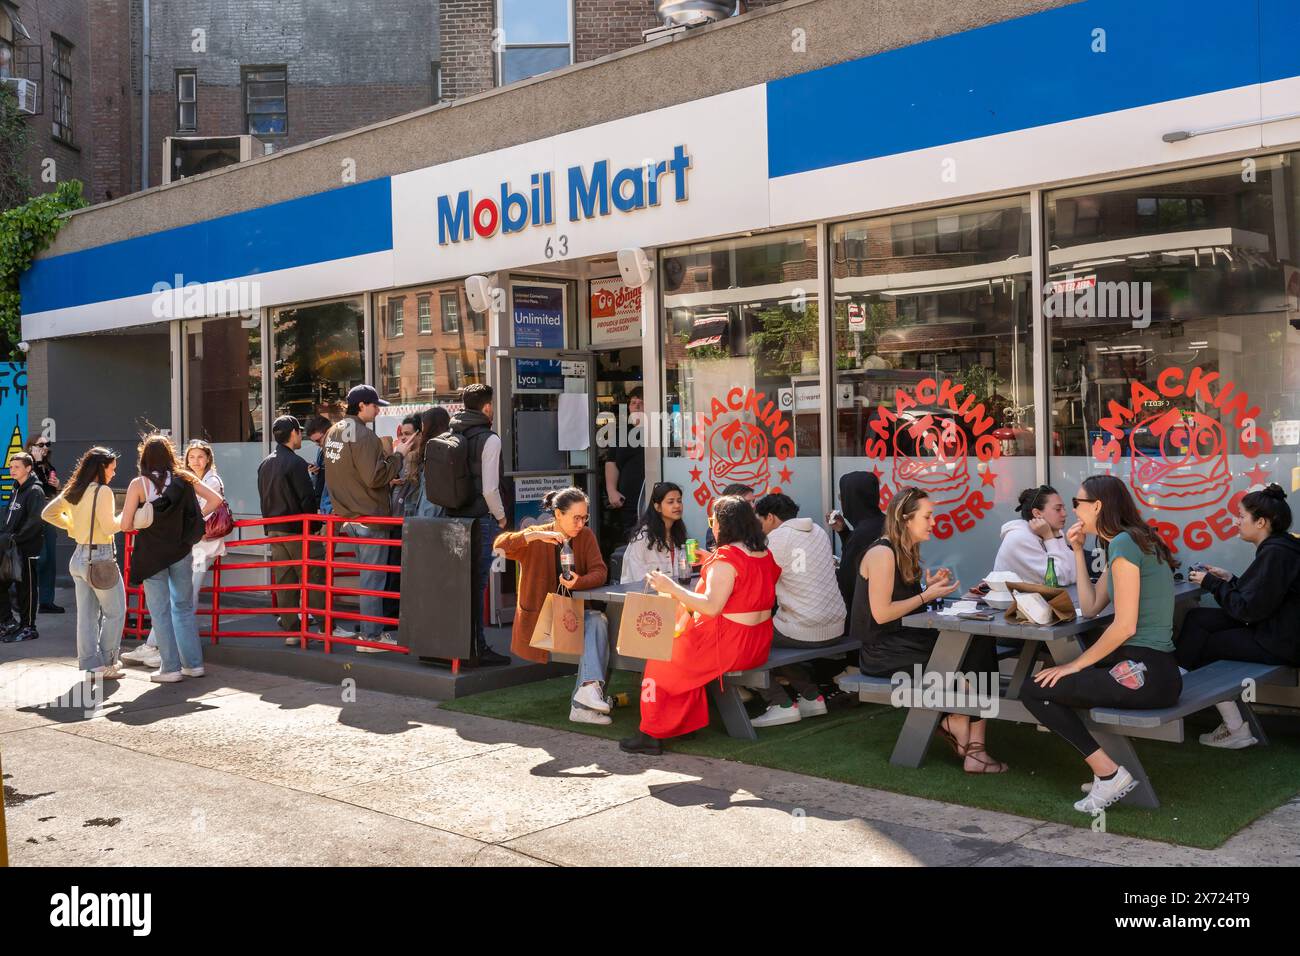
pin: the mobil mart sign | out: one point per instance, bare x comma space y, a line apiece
703, 163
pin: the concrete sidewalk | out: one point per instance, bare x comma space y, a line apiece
246, 768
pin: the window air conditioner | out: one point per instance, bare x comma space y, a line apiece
25, 91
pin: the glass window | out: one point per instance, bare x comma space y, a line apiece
420, 384
1174, 310
396, 317
534, 37
450, 303
61, 89
187, 101
426, 372
319, 356
933, 365
222, 394
266, 99
392, 365
741, 370
6, 46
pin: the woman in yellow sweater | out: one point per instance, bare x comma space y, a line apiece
85, 511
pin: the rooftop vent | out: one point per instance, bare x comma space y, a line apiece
676, 13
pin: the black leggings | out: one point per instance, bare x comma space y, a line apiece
1210, 634
1053, 707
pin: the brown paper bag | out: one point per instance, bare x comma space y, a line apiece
646, 630
560, 626
1058, 599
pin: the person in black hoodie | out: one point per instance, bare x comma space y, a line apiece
860, 502
38, 446
24, 526
1258, 617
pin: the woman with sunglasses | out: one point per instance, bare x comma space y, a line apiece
541, 550
1038, 534
38, 446
1131, 665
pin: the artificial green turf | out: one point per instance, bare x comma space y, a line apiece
1206, 795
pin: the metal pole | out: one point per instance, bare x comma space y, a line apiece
147, 62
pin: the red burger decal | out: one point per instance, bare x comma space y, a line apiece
569, 621
1184, 466
737, 450
930, 449
649, 623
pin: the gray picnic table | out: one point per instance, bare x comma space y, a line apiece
1063, 641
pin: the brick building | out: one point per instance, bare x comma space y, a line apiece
286, 72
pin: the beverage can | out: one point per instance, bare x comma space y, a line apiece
691, 546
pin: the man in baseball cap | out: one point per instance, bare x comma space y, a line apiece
358, 471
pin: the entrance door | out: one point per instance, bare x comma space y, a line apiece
546, 408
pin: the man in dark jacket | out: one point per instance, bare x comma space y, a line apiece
285, 488
24, 526
486, 507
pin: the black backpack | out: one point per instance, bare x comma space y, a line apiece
448, 471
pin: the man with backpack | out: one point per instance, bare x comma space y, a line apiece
358, 473
463, 474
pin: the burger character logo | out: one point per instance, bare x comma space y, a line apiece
1179, 456
927, 436
736, 441
569, 621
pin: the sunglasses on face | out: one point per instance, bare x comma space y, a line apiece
1075, 501
41, 444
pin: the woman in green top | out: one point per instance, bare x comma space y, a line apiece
1131, 665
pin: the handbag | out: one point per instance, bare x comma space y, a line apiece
647, 627
143, 516
102, 573
560, 625
220, 523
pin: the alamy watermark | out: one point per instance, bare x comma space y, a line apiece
192, 300
945, 691
1084, 297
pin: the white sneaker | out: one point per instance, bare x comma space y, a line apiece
144, 654
1226, 739
341, 631
291, 642
812, 708
193, 671
384, 638
170, 677
590, 696
1103, 793
776, 715
580, 715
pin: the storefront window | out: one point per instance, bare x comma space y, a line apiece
742, 401
319, 355
222, 389
933, 366
413, 365
1174, 308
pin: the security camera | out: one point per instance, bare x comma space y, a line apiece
635, 266
479, 291
24, 346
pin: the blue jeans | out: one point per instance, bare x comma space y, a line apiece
45, 566
488, 530
100, 614
594, 662
372, 580
169, 595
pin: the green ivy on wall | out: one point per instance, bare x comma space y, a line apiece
25, 231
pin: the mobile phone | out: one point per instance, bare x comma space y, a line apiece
836, 515
974, 616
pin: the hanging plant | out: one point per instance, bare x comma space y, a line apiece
25, 232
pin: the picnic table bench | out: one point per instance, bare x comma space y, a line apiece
726, 699
1113, 728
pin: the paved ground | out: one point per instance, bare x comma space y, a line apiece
248, 768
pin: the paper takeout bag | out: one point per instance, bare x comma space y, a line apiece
1058, 601
559, 627
646, 630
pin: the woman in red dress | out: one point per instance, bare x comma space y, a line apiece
731, 627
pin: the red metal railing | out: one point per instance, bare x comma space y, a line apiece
336, 564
